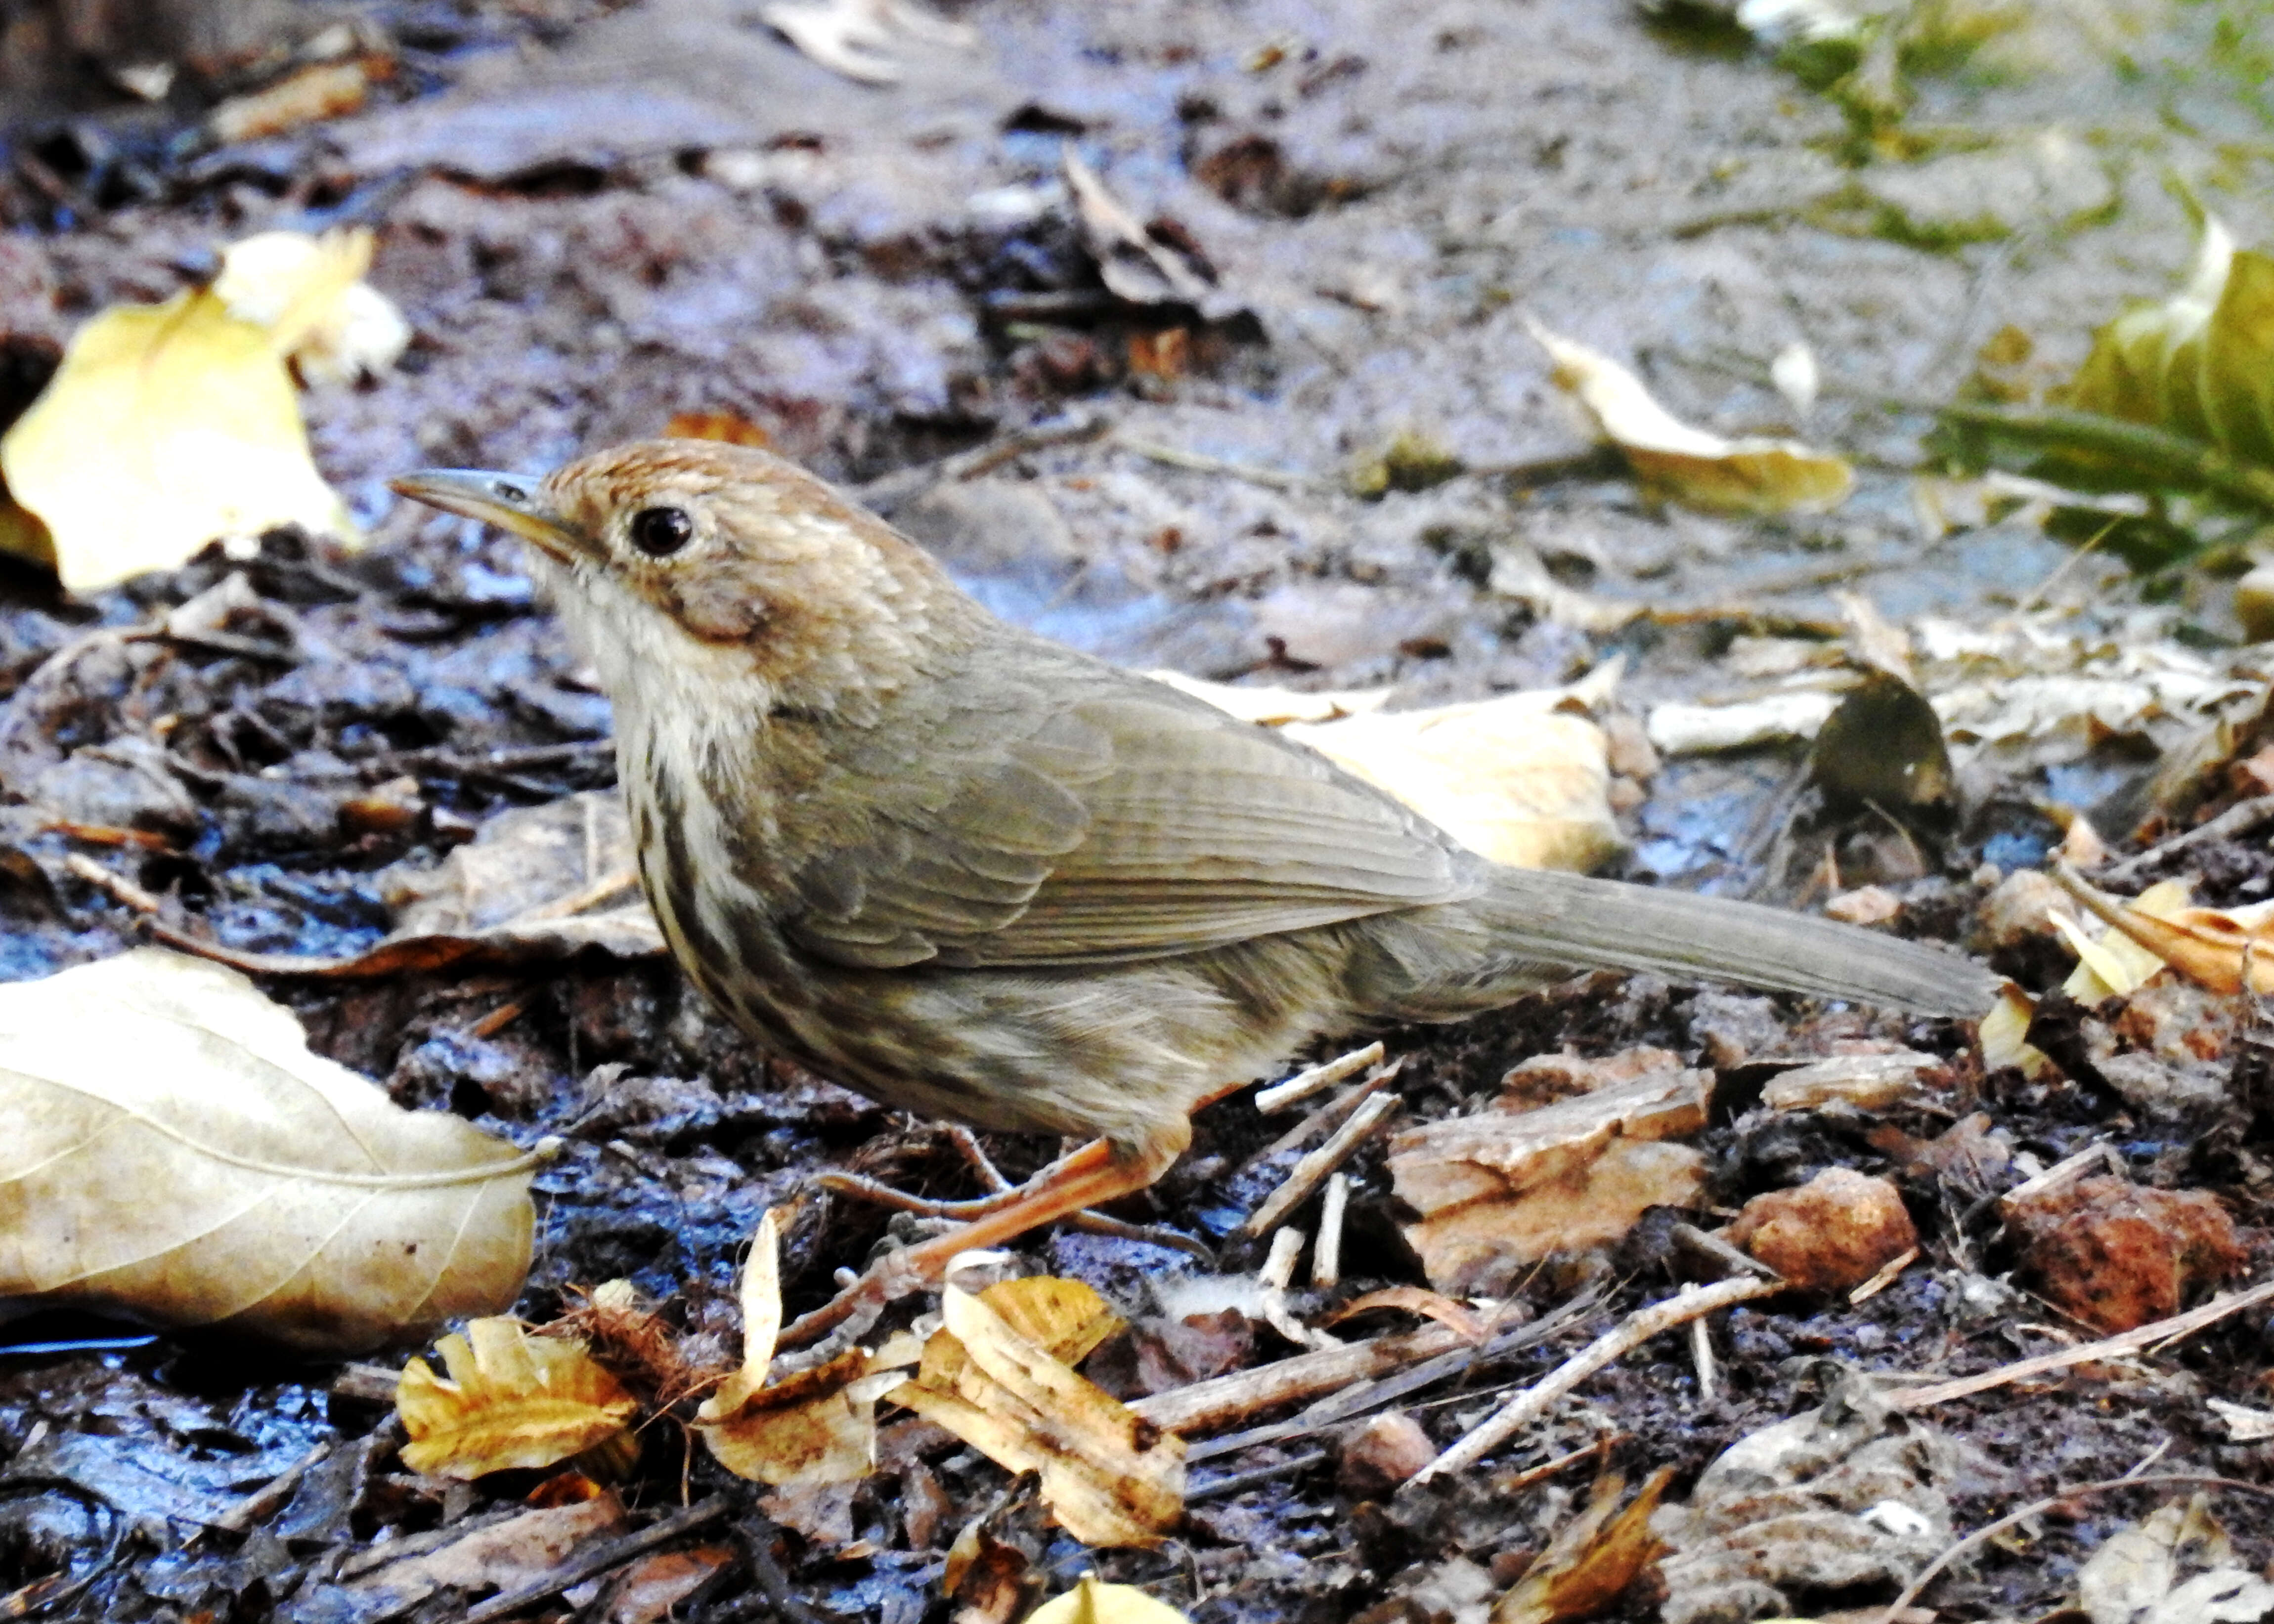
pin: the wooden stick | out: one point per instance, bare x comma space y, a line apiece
2238, 819
1210, 1403
1359, 1389
2108, 1348
1318, 1080
614, 1553
271, 1494
113, 884
1326, 1255
1328, 1116
1885, 1278
1278, 1271
1701, 1354
1317, 1164
1690, 1303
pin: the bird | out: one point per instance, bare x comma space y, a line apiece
983, 878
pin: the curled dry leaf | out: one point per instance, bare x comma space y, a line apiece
1592, 1559
309, 292
1675, 462
175, 1153
818, 1427
2202, 363
1110, 1476
320, 91
2212, 947
2004, 1033
511, 1399
1138, 264
1093, 1601
1458, 1317
170, 426
1499, 1190
539, 881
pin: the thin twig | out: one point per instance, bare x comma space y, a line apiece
1239, 1482
1317, 1080
1636, 1329
2108, 1348
1328, 1115
2238, 819
594, 1563
113, 884
1171, 456
1326, 1255
1990, 1530
271, 1494
1317, 1164
1367, 1390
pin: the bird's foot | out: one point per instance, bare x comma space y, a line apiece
1092, 1174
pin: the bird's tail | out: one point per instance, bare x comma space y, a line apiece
1542, 919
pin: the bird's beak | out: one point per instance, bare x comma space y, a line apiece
510, 501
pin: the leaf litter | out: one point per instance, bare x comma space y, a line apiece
512, 1034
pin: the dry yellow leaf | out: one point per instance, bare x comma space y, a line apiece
1675, 462
814, 1427
1065, 1318
2114, 965
174, 1153
1512, 779
170, 426
2004, 1033
2215, 948
309, 293
1093, 1601
1592, 1559
166, 427
510, 1400
1110, 1476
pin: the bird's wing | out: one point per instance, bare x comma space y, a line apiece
1130, 823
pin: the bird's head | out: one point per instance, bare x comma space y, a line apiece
687, 561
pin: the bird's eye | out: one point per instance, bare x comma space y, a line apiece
661, 531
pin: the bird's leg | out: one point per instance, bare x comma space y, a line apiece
1095, 1173
1001, 1190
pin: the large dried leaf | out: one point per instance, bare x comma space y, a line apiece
2202, 363
170, 426
1675, 462
511, 1400
174, 1153
1110, 1476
